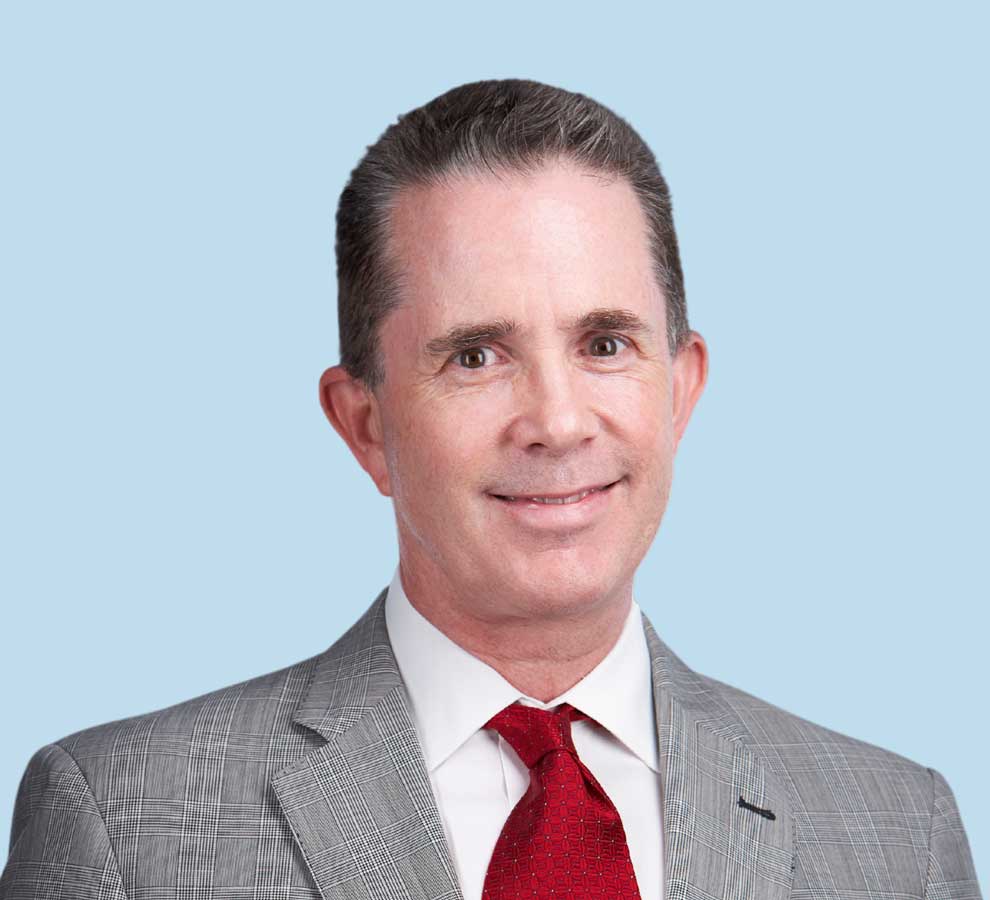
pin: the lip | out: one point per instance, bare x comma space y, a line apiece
560, 516
562, 494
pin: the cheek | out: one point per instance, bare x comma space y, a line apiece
639, 412
434, 453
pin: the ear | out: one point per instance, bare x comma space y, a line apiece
690, 367
354, 412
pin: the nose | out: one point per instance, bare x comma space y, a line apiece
554, 410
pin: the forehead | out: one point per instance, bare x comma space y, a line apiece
525, 245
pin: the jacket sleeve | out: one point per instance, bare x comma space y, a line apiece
59, 845
951, 874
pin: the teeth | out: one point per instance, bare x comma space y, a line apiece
572, 499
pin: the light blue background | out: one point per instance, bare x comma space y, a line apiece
177, 514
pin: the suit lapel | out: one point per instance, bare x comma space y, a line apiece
713, 847
360, 805
362, 809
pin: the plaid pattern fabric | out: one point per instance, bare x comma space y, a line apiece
310, 782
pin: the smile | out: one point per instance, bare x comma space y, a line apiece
557, 499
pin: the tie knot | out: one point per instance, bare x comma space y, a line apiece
535, 732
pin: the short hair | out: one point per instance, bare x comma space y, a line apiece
485, 126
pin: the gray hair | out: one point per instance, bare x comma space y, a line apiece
485, 126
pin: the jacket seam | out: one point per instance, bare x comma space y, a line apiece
99, 812
931, 828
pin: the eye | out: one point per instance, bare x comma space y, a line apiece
473, 357
608, 344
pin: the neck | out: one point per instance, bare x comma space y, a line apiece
541, 654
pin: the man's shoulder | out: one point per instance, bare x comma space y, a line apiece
244, 731
789, 743
801, 748
250, 720
247, 712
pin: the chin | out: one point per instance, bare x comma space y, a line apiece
558, 584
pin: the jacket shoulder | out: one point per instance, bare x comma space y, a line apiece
789, 744
785, 734
825, 768
56, 818
254, 716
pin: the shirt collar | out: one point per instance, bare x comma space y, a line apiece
453, 693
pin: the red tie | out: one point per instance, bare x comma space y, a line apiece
564, 839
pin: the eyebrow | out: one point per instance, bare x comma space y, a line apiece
464, 337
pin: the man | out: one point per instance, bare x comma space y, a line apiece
517, 371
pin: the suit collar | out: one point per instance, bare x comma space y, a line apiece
361, 807
352, 677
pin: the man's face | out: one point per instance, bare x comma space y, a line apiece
528, 359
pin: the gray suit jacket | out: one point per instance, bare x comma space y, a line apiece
310, 782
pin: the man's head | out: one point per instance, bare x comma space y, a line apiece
487, 126
512, 325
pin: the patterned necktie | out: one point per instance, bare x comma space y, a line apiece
564, 839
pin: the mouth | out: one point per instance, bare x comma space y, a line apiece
560, 499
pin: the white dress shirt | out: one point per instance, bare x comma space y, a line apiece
478, 778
